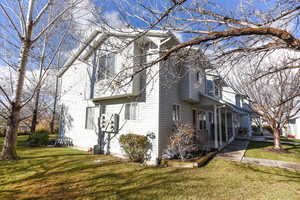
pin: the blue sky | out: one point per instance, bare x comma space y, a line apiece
225, 7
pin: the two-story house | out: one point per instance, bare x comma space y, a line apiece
95, 99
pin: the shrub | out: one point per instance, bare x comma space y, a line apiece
182, 143
135, 146
38, 138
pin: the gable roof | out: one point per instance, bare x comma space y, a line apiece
98, 37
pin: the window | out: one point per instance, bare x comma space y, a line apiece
131, 111
202, 120
217, 90
194, 118
89, 118
210, 87
238, 100
292, 121
176, 112
199, 77
106, 66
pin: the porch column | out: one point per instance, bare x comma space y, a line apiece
220, 126
215, 127
233, 128
249, 126
226, 127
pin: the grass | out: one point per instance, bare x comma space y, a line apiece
285, 139
64, 173
258, 150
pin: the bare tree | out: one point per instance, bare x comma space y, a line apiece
26, 23
268, 94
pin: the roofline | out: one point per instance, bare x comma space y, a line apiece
95, 33
71, 60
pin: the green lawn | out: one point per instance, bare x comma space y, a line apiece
257, 150
63, 173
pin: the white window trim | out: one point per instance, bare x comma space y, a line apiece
106, 77
179, 114
137, 110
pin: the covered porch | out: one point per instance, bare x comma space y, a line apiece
215, 122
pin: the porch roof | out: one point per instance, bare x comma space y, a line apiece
206, 100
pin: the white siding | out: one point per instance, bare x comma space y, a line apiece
169, 95
74, 93
147, 122
75, 98
297, 132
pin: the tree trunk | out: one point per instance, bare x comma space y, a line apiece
35, 112
277, 142
10, 142
9, 148
54, 107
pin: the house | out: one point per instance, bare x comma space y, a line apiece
95, 99
292, 128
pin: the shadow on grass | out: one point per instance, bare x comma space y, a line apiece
293, 176
111, 179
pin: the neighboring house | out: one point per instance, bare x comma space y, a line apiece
151, 102
292, 129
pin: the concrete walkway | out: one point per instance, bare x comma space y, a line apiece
234, 151
272, 163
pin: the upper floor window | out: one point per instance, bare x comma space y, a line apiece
217, 90
238, 100
212, 88
131, 111
176, 112
106, 66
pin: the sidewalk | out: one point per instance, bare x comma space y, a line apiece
236, 151
272, 163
